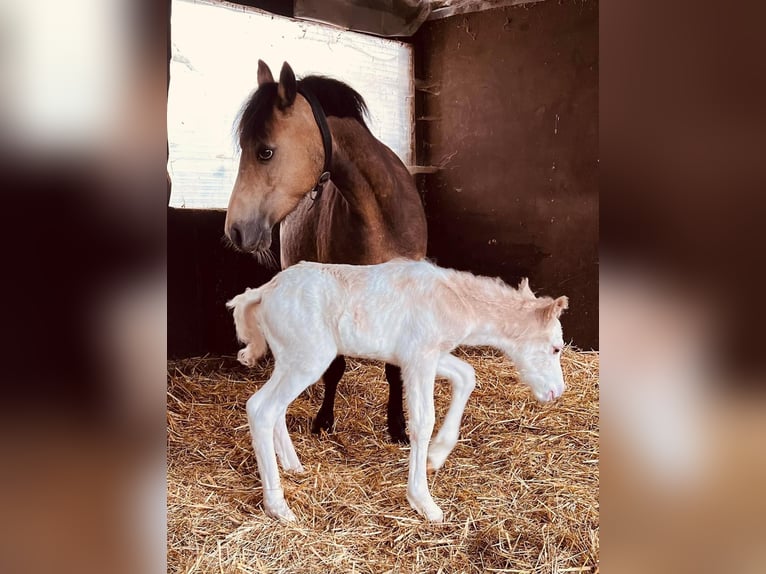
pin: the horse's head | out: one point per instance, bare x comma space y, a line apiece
537, 355
281, 160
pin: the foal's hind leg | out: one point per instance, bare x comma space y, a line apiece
325, 418
396, 425
265, 415
263, 410
284, 446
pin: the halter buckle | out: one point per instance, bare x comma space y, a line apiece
317, 190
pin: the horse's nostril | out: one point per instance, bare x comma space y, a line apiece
235, 235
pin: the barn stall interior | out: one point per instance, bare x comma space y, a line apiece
496, 118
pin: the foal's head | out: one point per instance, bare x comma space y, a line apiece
537, 354
282, 158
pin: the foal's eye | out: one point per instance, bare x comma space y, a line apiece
265, 154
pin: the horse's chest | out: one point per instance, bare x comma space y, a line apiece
326, 234
297, 235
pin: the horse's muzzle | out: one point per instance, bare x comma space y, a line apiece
250, 236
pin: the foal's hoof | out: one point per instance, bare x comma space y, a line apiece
275, 506
322, 423
427, 509
284, 514
245, 357
294, 468
437, 454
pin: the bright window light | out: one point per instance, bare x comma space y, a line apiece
216, 47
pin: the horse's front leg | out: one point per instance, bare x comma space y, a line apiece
325, 418
397, 427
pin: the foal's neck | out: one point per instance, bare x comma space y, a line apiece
499, 314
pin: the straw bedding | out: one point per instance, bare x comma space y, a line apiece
519, 492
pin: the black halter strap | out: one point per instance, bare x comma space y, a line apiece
321, 120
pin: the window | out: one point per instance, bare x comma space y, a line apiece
216, 47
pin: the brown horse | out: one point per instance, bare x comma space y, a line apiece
310, 164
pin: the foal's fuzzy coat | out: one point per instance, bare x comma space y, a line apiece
409, 313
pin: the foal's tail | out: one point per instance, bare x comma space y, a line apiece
245, 307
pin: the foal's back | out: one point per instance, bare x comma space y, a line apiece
367, 309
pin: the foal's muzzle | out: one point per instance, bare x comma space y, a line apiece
250, 236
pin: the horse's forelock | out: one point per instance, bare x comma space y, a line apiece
253, 120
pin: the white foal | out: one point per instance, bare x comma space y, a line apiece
409, 313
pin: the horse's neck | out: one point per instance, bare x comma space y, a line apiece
382, 208
363, 170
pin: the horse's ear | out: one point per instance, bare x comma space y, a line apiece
288, 87
264, 74
553, 309
525, 290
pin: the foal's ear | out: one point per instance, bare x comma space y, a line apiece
525, 290
554, 309
264, 74
287, 86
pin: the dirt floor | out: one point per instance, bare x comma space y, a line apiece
519, 492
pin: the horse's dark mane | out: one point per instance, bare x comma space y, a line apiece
336, 98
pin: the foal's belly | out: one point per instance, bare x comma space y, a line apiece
368, 346
370, 333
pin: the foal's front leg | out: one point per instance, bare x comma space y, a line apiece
420, 402
463, 380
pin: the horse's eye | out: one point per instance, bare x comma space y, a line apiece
265, 154
556, 350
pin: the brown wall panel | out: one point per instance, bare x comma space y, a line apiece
203, 273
